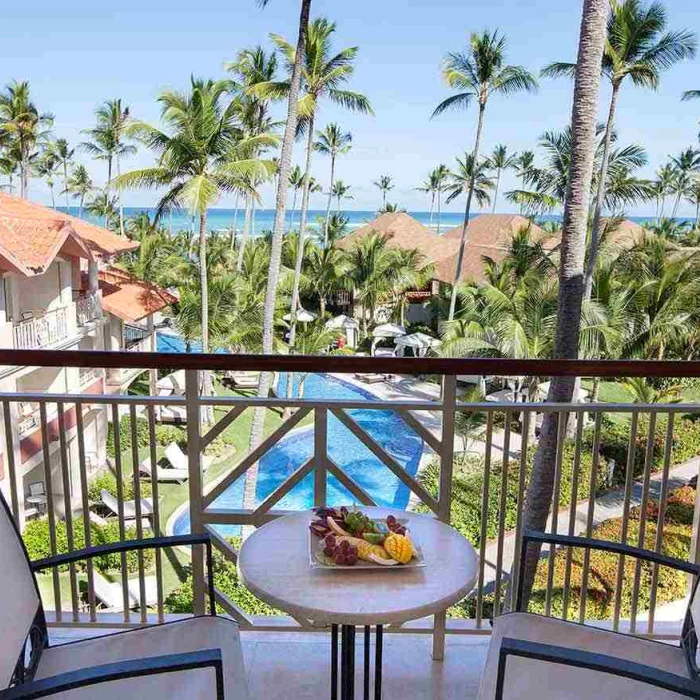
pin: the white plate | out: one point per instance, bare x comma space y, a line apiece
319, 560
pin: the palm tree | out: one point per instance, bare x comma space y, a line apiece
325, 272
337, 227
108, 144
639, 47
385, 184
46, 168
25, 128
323, 75
296, 182
332, 142
64, 154
686, 166
441, 174
524, 166
499, 160
663, 186
78, 186
691, 95
341, 191
202, 155
478, 73
104, 207
570, 295
693, 196
463, 181
430, 187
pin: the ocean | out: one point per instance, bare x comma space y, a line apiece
223, 219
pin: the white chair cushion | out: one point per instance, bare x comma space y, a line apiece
526, 678
192, 634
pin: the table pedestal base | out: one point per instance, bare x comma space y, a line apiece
347, 662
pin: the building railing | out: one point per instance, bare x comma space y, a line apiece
41, 331
87, 308
645, 474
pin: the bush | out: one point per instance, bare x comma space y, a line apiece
36, 538
108, 481
180, 601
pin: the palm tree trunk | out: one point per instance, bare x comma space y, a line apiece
294, 208
302, 233
328, 205
204, 283
234, 224
432, 206
697, 214
495, 193
285, 165
677, 204
383, 199
53, 198
583, 127
467, 211
80, 208
65, 185
438, 212
600, 196
246, 230
107, 187
119, 196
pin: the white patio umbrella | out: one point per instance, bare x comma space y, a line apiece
342, 322
303, 316
388, 330
419, 342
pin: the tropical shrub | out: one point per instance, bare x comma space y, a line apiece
108, 481
37, 541
180, 601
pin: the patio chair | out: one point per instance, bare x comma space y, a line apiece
171, 414
198, 657
532, 656
243, 379
178, 470
370, 378
129, 507
111, 595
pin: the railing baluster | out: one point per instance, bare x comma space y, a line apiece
663, 496
592, 483
484, 520
138, 511
561, 430
85, 502
48, 487
522, 473
576, 468
156, 509
629, 482
67, 504
648, 459
120, 507
502, 514
320, 455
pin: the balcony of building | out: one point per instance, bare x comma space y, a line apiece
408, 440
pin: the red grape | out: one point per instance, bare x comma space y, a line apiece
351, 559
329, 551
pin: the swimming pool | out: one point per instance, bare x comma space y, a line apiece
356, 460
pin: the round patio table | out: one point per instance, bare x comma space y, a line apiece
275, 565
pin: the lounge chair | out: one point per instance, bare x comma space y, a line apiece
243, 379
370, 378
531, 656
171, 414
129, 507
111, 595
179, 465
172, 384
198, 657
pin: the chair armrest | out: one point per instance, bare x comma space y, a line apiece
594, 662
135, 545
603, 545
135, 668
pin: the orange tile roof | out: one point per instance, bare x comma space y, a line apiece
129, 298
40, 221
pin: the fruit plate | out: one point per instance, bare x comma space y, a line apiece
319, 560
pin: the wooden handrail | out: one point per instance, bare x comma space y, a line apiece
349, 364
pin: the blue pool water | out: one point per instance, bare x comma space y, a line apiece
397, 438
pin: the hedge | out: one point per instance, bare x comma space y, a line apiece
602, 579
165, 434
36, 538
180, 601
108, 481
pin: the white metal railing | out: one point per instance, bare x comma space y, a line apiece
87, 309
134, 337
504, 443
41, 331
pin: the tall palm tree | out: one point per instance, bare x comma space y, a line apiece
640, 48
325, 272
332, 141
463, 180
46, 169
663, 186
570, 297
323, 76
108, 143
429, 186
201, 155
79, 185
478, 73
25, 127
524, 166
104, 207
500, 161
341, 191
441, 175
384, 184
64, 154
296, 182
686, 166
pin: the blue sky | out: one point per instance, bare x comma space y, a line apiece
77, 53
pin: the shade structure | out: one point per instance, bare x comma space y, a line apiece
420, 343
303, 316
342, 322
388, 330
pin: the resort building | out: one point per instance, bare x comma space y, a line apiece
59, 291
